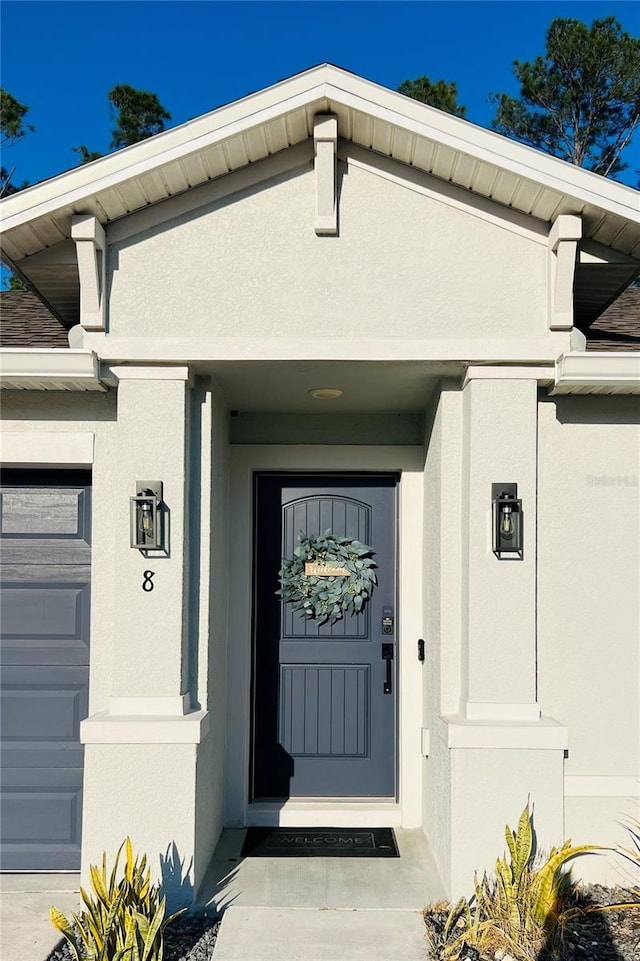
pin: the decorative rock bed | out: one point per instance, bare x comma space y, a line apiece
593, 936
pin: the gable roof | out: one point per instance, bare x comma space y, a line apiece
273, 119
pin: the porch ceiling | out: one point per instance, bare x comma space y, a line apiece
262, 386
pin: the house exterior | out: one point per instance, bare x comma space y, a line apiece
324, 307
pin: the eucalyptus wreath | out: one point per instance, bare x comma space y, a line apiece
328, 598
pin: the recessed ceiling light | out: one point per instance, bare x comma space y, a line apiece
326, 393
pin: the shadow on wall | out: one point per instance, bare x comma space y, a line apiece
176, 879
595, 409
64, 406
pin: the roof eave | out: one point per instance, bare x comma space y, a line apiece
597, 372
52, 368
321, 86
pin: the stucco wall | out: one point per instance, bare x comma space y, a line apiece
589, 607
405, 264
148, 792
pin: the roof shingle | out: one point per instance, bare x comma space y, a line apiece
26, 322
618, 328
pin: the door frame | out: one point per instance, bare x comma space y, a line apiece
245, 461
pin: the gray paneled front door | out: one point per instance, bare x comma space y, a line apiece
324, 696
44, 626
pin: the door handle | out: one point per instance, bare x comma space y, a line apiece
387, 657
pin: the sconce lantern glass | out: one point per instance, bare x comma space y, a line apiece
146, 516
508, 529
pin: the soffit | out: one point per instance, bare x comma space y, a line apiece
368, 387
278, 117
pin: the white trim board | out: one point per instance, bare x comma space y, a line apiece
105, 728
47, 448
602, 785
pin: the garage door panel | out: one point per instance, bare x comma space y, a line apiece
42, 754
43, 704
17, 555
37, 512
33, 610
36, 811
44, 622
31, 857
41, 818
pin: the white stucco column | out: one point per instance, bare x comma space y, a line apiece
498, 596
146, 735
496, 750
149, 670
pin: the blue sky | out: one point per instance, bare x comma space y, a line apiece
61, 57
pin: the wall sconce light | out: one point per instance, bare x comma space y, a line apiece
508, 540
146, 516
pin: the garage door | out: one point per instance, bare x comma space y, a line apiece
44, 668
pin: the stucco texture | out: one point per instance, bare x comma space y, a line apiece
588, 605
404, 265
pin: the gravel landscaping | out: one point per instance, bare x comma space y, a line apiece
591, 936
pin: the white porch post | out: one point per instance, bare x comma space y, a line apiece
498, 596
500, 749
142, 744
150, 669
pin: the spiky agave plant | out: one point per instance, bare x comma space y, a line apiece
124, 918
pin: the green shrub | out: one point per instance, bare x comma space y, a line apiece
124, 920
520, 911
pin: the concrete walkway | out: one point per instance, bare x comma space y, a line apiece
26, 933
303, 934
321, 909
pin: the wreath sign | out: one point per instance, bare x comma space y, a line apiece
328, 577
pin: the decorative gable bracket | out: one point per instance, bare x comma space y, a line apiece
563, 254
91, 249
325, 141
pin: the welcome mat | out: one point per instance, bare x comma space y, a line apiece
320, 843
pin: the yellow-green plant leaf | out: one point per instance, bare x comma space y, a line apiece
172, 917
455, 912
152, 933
131, 943
545, 883
98, 885
59, 921
523, 843
130, 862
511, 844
114, 872
84, 935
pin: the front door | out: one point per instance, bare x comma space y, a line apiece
324, 695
